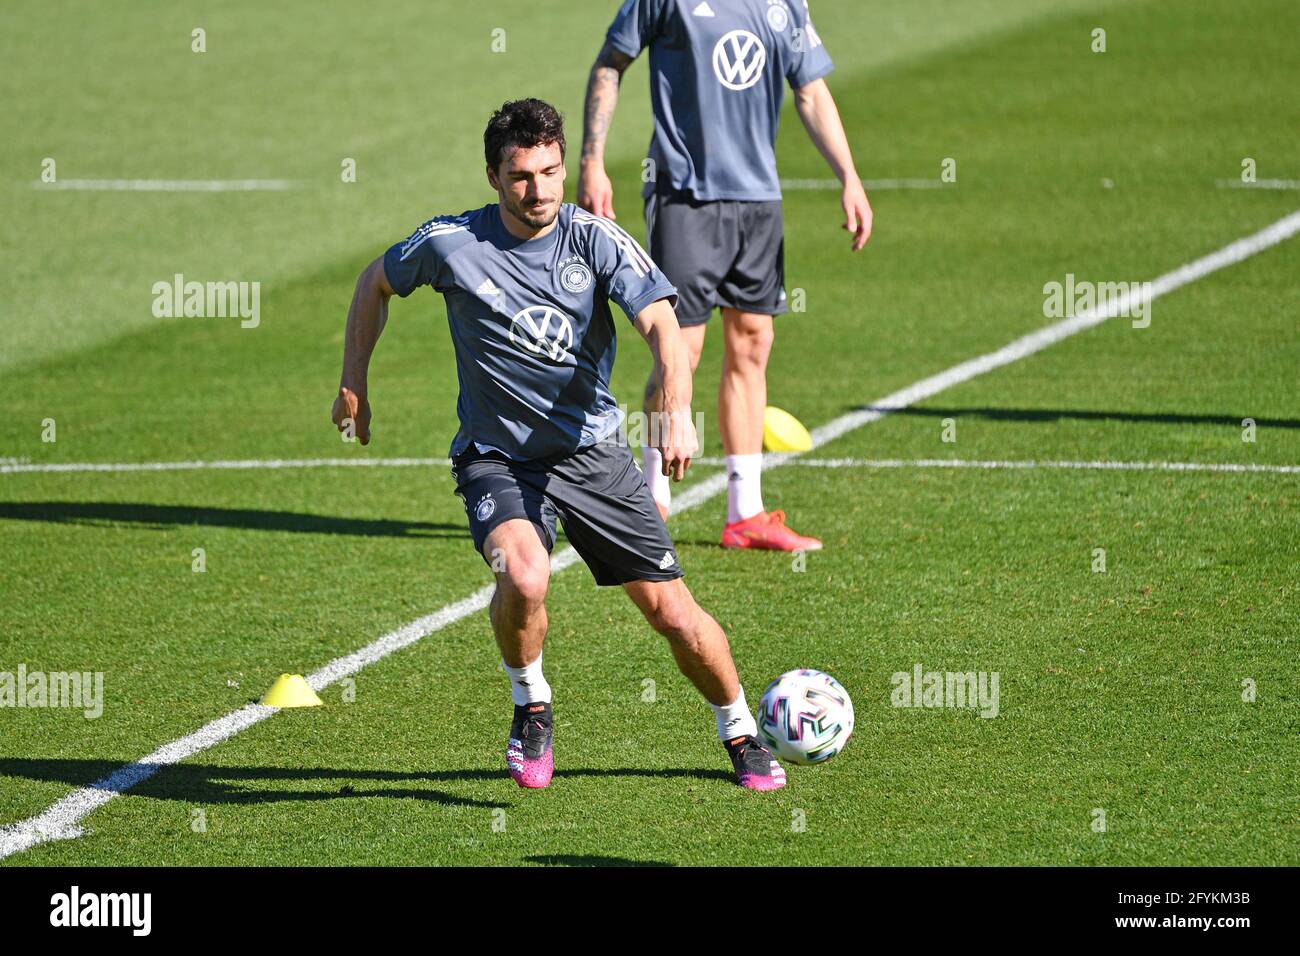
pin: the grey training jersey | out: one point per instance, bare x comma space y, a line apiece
716, 74
530, 323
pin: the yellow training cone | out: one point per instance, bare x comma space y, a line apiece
292, 690
783, 432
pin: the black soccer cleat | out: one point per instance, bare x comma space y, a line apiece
756, 768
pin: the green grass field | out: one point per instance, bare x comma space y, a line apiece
1120, 691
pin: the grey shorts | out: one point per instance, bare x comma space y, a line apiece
718, 253
599, 494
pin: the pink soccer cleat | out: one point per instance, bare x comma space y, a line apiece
528, 753
756, 768
768, 531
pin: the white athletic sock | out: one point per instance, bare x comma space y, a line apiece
735, 720
744, 486
527, 685
652, 466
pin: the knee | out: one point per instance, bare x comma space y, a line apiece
695, 350
524, 580
750, 347
676, 619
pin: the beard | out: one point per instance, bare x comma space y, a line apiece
533, 216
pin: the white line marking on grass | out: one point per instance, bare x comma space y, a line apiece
809, 184
232, 465
1260, 184
169, 185
1068, 465
290, 463
1026, 345
62, 820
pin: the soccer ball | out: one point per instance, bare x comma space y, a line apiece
805, 716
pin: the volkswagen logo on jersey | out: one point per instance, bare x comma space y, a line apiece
738, 60
543, 330
575, 277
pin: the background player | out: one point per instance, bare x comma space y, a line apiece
713, 212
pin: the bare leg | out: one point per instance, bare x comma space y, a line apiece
742, 391
697, 640
518, 613
518, 608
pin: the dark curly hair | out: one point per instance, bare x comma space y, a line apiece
525, 123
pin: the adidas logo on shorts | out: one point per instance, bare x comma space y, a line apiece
667, 561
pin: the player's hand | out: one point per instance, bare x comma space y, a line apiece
595, 191
677, 443
857, 213
352, 410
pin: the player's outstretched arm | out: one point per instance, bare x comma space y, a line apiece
674, 433
595, 191
366, 318
821, 118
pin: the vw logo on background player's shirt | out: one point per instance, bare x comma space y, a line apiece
738, 60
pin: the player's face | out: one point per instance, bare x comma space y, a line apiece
530, 183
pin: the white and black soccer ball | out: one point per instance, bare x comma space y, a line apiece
805, 717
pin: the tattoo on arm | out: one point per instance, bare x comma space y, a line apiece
602, 97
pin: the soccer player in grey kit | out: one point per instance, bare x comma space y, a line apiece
718, 69
527, 282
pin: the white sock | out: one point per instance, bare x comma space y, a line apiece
744, 486
652, 466
527, 685
735, 720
